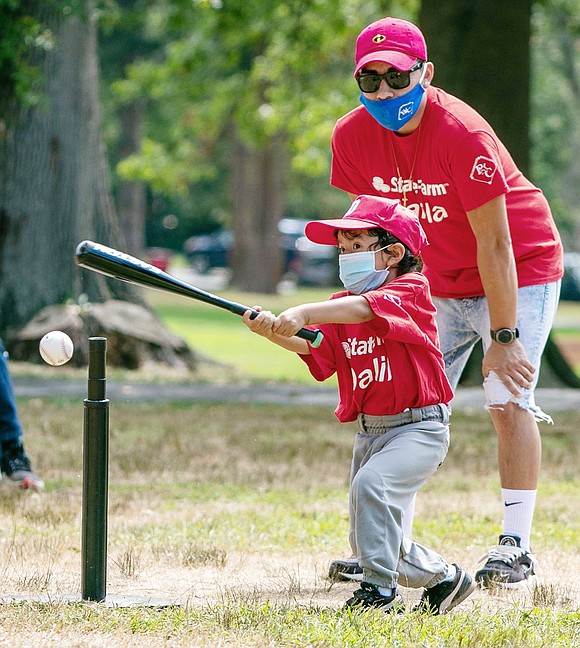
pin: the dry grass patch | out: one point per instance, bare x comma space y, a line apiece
236, 510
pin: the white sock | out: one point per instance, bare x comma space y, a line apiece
518, 513
386, 591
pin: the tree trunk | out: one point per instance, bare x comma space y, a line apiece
481, 52
258, 198
51, 192
131, 195
54, 184
567, 40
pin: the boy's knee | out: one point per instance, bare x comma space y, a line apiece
367, 482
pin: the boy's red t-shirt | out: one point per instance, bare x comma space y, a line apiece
458, 164
390, 363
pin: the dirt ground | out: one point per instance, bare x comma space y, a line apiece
302, 580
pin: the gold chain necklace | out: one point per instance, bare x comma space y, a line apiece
410, 181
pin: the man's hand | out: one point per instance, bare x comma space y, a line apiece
510, 363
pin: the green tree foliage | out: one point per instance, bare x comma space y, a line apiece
22, 35
555, 124
267, 69
286, 67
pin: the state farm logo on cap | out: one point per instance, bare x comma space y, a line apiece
390, 40
483, 170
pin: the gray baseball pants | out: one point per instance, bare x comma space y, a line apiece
393, 456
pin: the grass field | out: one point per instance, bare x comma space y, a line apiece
221, 336
236, 510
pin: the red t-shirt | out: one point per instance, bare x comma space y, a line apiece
458, 164
390, 363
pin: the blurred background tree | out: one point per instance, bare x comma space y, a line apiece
55, 192
53, 172
242, 98
227, 107
481, 53
555, 101
220, 113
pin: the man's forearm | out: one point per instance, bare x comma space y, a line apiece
500, 283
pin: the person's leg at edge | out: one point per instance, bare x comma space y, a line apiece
516, 423
10, 428
14, 461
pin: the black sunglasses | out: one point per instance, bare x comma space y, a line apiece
371, 81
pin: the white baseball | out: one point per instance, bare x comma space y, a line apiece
56, 348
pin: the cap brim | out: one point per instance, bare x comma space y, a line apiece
323, 231
402, 62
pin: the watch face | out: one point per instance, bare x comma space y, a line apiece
505, 336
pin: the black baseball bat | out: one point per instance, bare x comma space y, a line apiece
119, 265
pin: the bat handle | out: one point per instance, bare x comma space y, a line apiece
313, 337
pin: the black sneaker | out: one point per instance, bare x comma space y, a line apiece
368, 596
345, 570
442, 597
507, 565
15, 464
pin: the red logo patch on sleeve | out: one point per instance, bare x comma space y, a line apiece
483, 170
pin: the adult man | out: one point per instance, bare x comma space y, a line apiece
494, 261
14, 461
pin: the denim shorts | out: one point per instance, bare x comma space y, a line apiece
463, 322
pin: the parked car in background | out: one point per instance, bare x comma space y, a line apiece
316, 265
309, 263
291, 229
571, 280
208, 251
159, 257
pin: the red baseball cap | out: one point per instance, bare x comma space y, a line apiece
390, 40
368, 212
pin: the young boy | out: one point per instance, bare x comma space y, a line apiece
380, 338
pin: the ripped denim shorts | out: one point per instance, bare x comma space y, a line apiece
463, 322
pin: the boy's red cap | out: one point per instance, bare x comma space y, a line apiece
368, 212
390, 40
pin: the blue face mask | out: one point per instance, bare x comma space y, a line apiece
357, 271
394, 113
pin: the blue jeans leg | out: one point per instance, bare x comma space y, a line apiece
10, 427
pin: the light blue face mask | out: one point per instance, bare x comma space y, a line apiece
394, 113
357, 271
